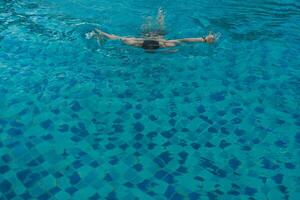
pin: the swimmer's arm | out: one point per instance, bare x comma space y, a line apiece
201, 39
127, 40
208, 39
107, 35
176, 42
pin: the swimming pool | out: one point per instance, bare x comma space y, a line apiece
83, 121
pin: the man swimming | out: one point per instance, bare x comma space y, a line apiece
152, 39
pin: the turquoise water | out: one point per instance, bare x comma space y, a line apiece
212, 122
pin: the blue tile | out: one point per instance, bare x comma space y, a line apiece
26, 196
6, 158
151, 146
138, 136
196, 146
259, 109
169, 178
137, 115
63, 128
4, 169
96, 196
182, 170
153, 117
3, 122
5, 186
290, 165
111, 196
236, 111
239, 132
297, 138
14, 132
139, 127
283, 189
167, 134
71, 190
144, 185
160, 174
16, 124
173, 114
129, 185
94, 164
21, 175
236, 120
108, 178
138, 167
250, 191
209, 145
212, 196
74, 178
163, 159
169, 191
114, 160
200, 109
233, 192
32, 179
75, 106
234, 163
281, 143
225, 131
194, 196
118, 128
183, 155
137, 145
46, 124
177, 196
278, 178
54, 190
212, 130
221, 112
47, 137
44, 196
268, 164
223, 144
10, 195
218, 96
77, 164
57, 174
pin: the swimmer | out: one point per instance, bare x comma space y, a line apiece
152, 39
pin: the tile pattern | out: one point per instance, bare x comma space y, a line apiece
78, 122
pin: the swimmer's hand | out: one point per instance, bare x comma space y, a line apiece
100, 38
211, 37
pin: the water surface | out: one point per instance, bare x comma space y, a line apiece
83, 121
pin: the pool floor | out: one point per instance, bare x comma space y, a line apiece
87, 122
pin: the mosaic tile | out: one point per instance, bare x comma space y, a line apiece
209, 122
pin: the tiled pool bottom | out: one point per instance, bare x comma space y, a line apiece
171, 143
83, 122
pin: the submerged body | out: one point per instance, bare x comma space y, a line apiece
151, 44
152, 39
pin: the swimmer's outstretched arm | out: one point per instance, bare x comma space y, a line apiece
109, 36
138, 42
208, 39
200, 39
